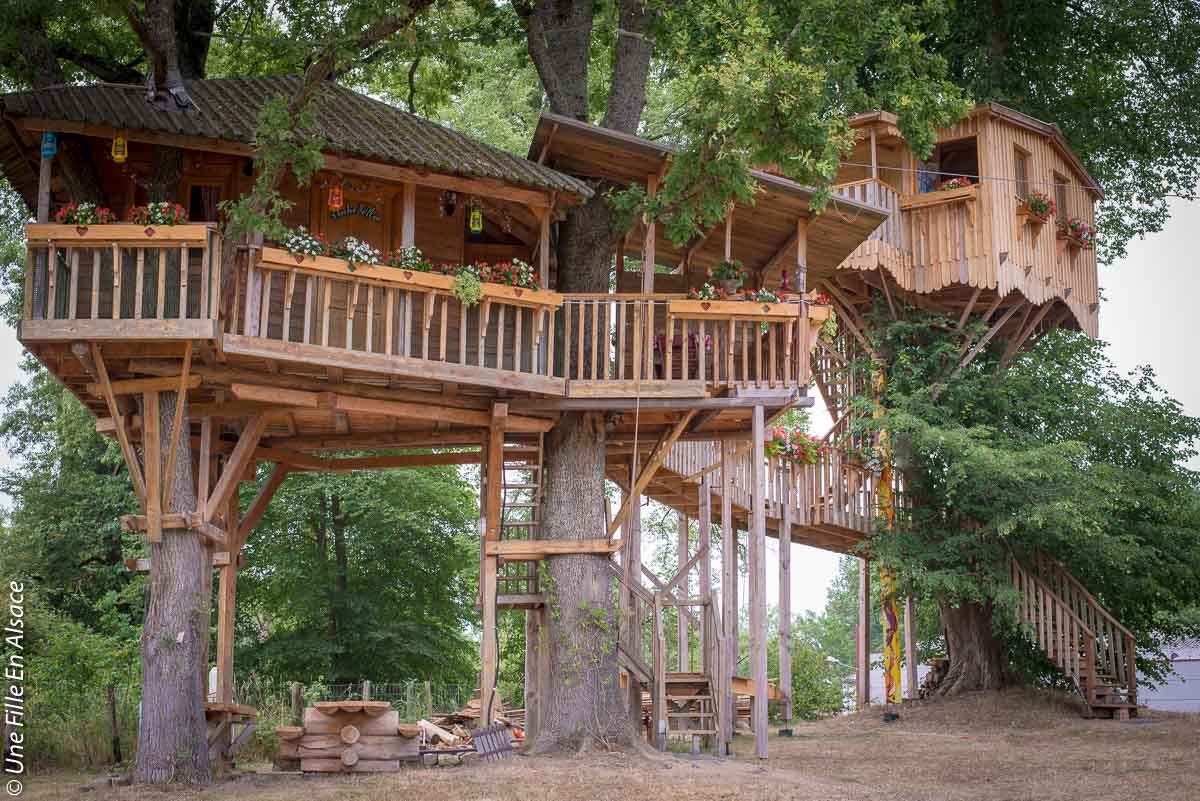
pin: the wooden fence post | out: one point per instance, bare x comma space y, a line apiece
366, 690
297, 704
115, 724
428, 699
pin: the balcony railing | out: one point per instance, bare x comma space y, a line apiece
120, 281
128, 281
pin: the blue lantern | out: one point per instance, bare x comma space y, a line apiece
49, 144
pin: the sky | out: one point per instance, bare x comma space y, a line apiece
1146, 317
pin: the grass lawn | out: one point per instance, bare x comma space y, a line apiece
1019, 745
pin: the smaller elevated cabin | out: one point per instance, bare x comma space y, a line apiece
959, 219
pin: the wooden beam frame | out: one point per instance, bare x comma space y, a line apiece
259, 505
657, 457
131, 460
235, 466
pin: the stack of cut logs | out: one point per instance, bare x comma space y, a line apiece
348, 737
367, 736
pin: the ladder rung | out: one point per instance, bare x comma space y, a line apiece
520, 506
690, 714
689, 697
691, 731
521, 486
519, 523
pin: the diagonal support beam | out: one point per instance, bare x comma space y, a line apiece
986, 338
1015, 345
259, 505
657, 582
177, 424
235, 466
652, 464
131, 460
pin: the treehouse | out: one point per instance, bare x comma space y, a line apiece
417, 319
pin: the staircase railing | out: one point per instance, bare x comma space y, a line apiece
714, 667
1116, 653
1060, 633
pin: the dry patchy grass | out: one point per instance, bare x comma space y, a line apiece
1010, 747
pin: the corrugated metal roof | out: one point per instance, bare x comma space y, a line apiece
353, 124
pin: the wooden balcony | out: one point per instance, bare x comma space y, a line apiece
120, 282
315, 314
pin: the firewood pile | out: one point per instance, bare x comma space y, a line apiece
367, 736
348, 737
937, 671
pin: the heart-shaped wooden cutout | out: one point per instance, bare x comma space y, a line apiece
519, 292
81, 230
705, 306
408, 273
298, 257
766, 307
149, 231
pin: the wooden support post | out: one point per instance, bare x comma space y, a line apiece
631, 565
227, 609
428, 699
705, 542
648, 254
152, 456
235, 467
408, 216
874, 156
681, 625
544, 249
729, 236
758, 583
492, 504
910, 647
729, 602
785, 599
533, 697
802, 255
366, 690
862, 660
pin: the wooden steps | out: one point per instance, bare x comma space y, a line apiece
1079, 636
690, 710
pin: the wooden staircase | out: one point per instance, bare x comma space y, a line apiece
690, 705
1095, 652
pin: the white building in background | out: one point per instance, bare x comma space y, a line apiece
1181, 690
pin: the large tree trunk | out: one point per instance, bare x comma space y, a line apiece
582, 707
975, 653
172, 733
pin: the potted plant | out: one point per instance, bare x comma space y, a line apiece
958, 182
793, 445
84, 214
729, 274
1077, 232
709, 291
161, 213
410, 259
1039, 206
355, 251
300, 242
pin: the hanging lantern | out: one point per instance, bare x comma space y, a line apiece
120, 149
337, 197
49, 145
449, 203
476, 219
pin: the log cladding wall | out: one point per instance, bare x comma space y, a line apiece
1038, 265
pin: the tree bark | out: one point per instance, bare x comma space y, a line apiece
582, 706
976, 656
172, 732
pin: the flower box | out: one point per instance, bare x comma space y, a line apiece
404, 279
737, 309
938, 198
67, 234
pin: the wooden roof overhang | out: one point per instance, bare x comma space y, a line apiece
762, 233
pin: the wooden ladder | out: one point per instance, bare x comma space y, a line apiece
1079, 636
520, 504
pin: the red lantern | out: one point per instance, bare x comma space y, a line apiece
337, 198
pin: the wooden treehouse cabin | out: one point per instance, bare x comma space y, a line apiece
282, 356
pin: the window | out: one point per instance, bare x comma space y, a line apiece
1021, 164
1060, 195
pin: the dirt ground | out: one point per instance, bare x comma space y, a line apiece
1011, 747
